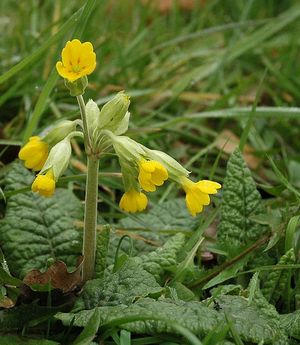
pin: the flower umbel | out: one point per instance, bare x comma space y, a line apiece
133, 201
197, 194
44, 184
151, 174
78, 60
34, 153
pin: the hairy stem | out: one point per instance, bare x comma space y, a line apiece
90, 218
91, 198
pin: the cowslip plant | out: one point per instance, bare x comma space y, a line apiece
143, 169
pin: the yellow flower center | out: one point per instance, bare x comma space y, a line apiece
76, 68
151, 174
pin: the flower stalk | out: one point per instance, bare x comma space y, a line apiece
86, 137
91, 199
90, 218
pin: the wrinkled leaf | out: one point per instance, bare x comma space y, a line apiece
131, 282
252, 324
101, 251
291, 324
163, 258
170, 215
241, 200
90, 330
35, 228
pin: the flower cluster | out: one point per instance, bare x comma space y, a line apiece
49, 155
143, 170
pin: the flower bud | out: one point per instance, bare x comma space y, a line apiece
59, 131
78, 86
92, 116
113, 112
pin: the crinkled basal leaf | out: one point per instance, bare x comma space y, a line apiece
36, 228
193, 315
240, 201
126, 285
101, 251
277, 280
161, 259
291, 324
170, 215
251, 324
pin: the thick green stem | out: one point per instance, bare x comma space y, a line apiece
90, 218
91, 198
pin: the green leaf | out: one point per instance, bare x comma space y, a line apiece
90, 330
163, 258
291, 324
154, 228
241, 200
276, 282
102, 250
250, 322
36, 229
170, 215
131, 282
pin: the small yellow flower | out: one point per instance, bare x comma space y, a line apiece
44, 184
133, 201
152, 174
197, 194
34, 153
78, 60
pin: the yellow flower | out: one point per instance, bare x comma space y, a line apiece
152, 174
133, 201
34, 153
78, 60
44, 184
197, 194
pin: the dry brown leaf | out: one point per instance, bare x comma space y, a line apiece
57, 275
227, 141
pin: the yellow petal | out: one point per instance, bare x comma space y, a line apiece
44, 185
34, 153
133, 201
142, 202
209, 187
193, 205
